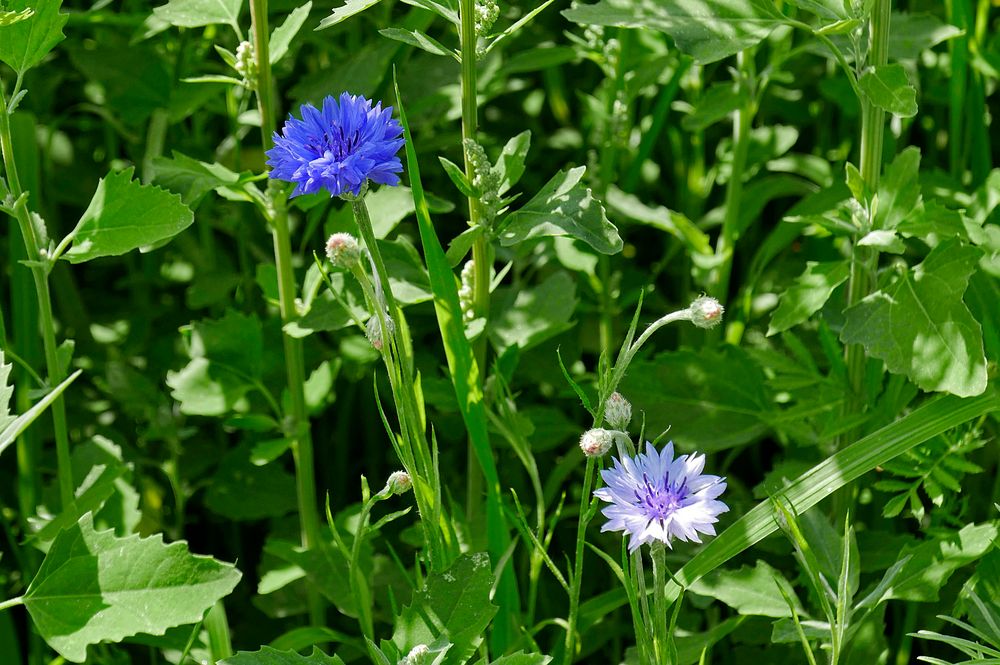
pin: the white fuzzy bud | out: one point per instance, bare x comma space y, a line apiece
343, 250
618, 411
399, 482
246, 65
596, 442
706, 312
417, 655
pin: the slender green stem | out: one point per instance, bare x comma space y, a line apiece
742, 123
40, 273
13, 602
863, 259
581, 535
298, 419
359, 585
482, 256
660, 637
220, 643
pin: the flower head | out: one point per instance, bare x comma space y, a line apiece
618, 411
338, 148
343, 250
654, 496
706, 312
596, 442
399, 482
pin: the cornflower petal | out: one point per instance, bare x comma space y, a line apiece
656, 496
338, 147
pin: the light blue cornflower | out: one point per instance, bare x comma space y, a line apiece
656, 497
338, 148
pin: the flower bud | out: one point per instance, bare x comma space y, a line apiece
343, 250
617, 411
246, 65
706, 312
399, 482
417, 655
596, 442
373, 331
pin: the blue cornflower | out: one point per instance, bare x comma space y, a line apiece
656, 497
338, 148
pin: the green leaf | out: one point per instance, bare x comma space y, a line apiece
6, 392
564, 207
888, 88
912, 34
349, 9
24, 43
15, 428
459, 178
269, 656
920, 327
694, 239
418, 39
521, 658
719, 101
226, 357
899, 190
196, 13
242, 490
883, 241
94, 587
808, 294
533, 315
749, 590
12, 17
932, 563
125, 215
453, 606
710, 399
282, 36
708, 30
510, 164
192, 179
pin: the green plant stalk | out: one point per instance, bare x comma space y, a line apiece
660, 637
299, 428
40, 274
220, 643
399, 366
13, 602
959, 15
482, 252
863, 259
742, 122
575, 582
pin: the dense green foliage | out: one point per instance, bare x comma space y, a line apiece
200, 413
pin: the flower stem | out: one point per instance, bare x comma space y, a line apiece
482, 256
40, 273
661, 639
13, 602
581, 535
298, 420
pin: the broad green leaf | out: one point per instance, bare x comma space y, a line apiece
883, 241
534, 314
827, 9
446, 9
6, 392
899, 190
927, 421
888, 88
808, 294
349, 9
719, 101
709, 399
241, 490
564, 207
912, 34
418, 39
95, 587
226, 359
269, 656
25, 42
683, 229
126, 215
324, 566
196, 13
454, 606
931, 563
920, 327
12, 17
134, 79
510, 164
749, 590
708, 30
282, 36
191, 178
